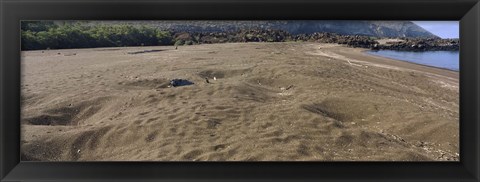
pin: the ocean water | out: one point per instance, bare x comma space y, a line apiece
441, 59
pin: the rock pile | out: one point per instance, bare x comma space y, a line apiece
270, 35
418, 44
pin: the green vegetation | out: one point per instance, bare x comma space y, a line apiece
188, 42
37, 35
179, 42
47, 35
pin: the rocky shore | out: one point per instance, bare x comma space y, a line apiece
417, 44
269, 35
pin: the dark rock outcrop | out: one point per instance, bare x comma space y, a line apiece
270, 35
418, 44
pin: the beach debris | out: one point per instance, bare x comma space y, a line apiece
176, 47
213, 123
285, 91
353, 64
289, 87
144, 51
286, 88
70, 54
214, 78
179, 82
206, 80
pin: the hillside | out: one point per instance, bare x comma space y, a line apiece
41, 35
368, 28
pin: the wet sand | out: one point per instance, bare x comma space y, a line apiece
269, 102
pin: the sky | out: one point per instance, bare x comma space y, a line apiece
443, 29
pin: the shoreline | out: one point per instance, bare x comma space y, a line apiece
397, 63
366, 52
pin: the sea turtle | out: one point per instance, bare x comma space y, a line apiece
179, 82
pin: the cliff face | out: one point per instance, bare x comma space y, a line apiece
367, 28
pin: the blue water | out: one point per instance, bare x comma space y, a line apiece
441, 59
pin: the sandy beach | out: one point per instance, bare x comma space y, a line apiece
290, 101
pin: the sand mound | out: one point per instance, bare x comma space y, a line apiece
222, 73
342, 109
254, 92
69, 114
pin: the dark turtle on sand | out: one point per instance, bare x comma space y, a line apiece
179, 82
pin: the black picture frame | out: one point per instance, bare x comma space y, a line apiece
466, 11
